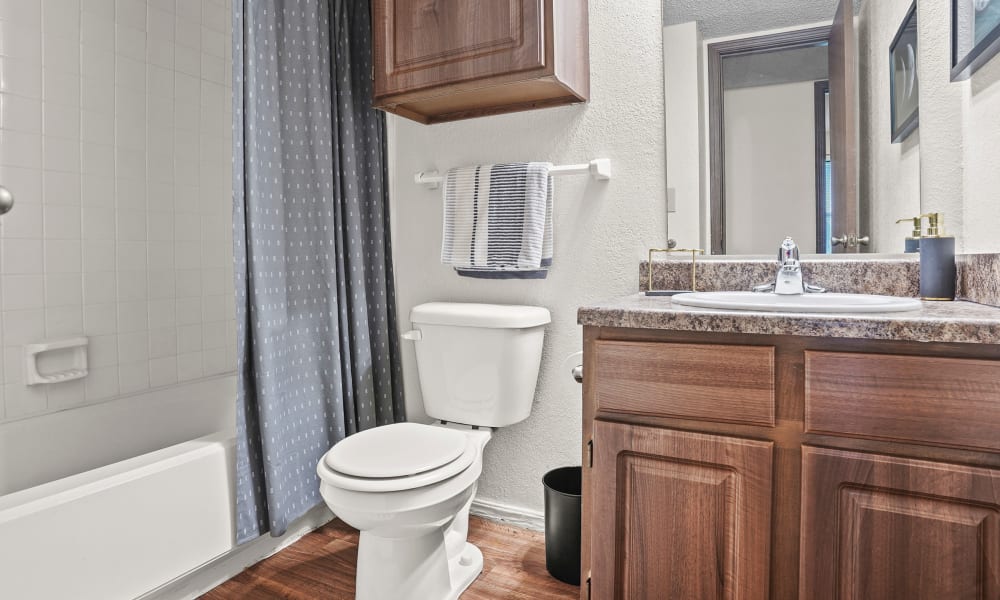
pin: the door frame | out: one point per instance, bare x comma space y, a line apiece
820, 91
802, 38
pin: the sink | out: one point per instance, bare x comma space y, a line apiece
805, 303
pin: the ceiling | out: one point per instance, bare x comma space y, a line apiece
732, 17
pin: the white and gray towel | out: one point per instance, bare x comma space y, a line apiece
498, 221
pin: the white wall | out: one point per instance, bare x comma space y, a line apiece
685, 127
115, 139
957, 144
770, 167
890, 173
602, 230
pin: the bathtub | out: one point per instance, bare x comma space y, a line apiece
113, 500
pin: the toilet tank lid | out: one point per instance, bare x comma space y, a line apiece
492, 316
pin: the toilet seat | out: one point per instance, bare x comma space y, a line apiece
394, 458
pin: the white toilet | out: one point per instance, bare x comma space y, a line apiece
408, 487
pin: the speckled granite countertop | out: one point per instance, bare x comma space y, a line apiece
956, 322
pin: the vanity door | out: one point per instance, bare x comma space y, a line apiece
678, 515
878, 526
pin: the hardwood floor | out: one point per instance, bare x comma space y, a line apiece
321, 566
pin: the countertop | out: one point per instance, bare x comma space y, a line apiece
951, 322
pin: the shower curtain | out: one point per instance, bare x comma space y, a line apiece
318, 350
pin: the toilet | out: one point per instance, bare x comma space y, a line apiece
408, 487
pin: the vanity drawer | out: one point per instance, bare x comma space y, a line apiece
708, 382
942, 401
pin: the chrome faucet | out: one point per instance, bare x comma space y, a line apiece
789, 279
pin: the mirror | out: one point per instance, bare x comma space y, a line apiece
805, 125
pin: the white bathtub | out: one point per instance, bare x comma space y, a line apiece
113, 500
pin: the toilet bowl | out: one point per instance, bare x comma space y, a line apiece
408, 487
413, 527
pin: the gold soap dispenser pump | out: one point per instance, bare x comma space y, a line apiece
912, 243
937, 260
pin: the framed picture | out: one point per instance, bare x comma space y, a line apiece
975, 35
904, 92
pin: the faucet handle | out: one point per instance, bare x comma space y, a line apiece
789, 250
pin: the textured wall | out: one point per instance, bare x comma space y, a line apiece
602, 229
890, 173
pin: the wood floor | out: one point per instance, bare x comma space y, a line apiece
321, 566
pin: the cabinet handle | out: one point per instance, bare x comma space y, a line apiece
578, 373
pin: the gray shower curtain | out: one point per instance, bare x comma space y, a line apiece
318, 352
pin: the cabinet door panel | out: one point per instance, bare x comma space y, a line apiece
679, 515
883, 527
425, 43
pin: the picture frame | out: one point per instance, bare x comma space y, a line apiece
975, 35
904, 88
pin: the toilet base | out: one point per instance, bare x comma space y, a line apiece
415, 568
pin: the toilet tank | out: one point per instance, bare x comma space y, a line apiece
478, 363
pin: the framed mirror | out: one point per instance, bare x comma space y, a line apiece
787, 107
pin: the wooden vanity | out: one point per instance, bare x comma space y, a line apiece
755, 466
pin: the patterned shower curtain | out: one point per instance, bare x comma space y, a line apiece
318, 350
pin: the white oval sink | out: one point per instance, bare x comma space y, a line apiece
805, 303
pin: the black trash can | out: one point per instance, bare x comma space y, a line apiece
562, 523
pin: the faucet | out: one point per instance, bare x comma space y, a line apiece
789, 279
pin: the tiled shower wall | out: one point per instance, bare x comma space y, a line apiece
115, 140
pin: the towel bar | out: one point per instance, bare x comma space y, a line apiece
599, 169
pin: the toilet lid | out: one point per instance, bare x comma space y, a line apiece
397, 450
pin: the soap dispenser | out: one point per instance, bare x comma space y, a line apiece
937, 261
912, 243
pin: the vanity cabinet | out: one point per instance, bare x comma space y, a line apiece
721, 465
444, 60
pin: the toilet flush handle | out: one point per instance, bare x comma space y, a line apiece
413, 334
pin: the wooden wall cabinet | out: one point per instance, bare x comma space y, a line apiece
444, 60
789, 467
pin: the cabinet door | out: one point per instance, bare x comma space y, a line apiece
678, 515
427, 43
882, 527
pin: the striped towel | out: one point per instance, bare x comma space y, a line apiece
498, 221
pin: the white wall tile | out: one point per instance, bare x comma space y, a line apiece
68, 394
163, 342
25, 183
132, 316
19, 113
97, 190
133, 377
62, 222
23, 326
25, 222
20, 77
122, 231
21, 400
61, 188
21, 257
63, 289
100, 287
62, 52
63, 256
131, 13
103, 351
62, 87
61, 155
189, 366
102, 383
19, 149
97, 32
163, 371
21, 292
63, 321
98, 255
100, 319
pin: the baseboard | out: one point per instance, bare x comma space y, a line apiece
211, 574
518, 516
